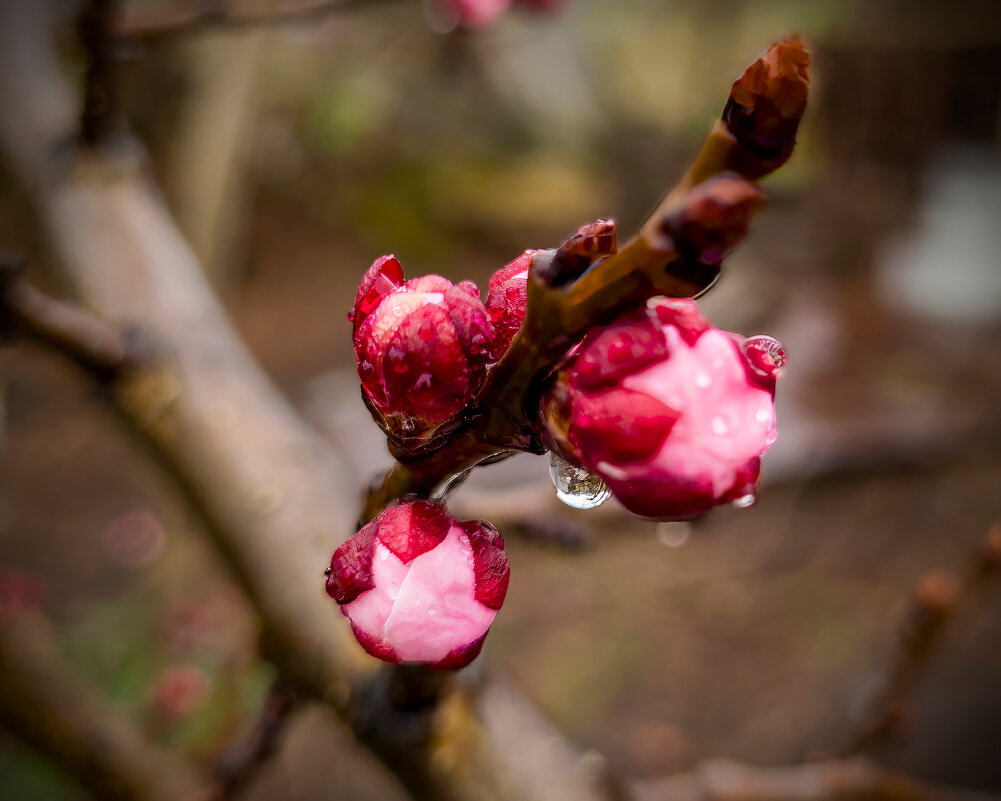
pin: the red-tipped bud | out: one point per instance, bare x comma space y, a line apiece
670, 412
713, 220
507, 297
767, 103
419, 586
421, 346
584, 247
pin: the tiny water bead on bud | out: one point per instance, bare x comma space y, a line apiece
419, 586
422, 346
670, 412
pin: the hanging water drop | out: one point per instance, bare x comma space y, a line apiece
576, 487
766, 355
747, 500
674, 534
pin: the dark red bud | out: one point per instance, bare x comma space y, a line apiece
714, 218
590, 242
767, 103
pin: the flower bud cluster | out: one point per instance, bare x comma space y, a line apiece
670, 412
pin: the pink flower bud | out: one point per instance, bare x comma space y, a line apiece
672, 413
421, 346
419, 586
507, 297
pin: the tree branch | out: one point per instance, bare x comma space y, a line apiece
160, 25
856, 779
935, 603
239, 763
46, 704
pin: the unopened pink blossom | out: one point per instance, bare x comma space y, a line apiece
507, 298
422, 346
419, 586
671, 412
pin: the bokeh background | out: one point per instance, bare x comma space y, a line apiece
294, 155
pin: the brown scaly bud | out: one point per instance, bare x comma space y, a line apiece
766, 105
935, 594
711, 223
590, 242
990, 555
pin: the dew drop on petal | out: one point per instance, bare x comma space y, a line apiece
765, 355
576, 487
673, 534
747, 500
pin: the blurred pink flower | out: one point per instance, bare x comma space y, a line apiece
21, 591
670, 412
180, 691
419, 586
476, 13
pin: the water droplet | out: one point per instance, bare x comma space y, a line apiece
673, 534
576, 487
719, 426
747, 500
765, 355
703, 381
383, 556
432, 611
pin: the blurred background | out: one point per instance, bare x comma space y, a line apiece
293, 155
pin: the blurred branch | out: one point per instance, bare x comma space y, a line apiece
936, 600
857, 779
85, 340
100, 119
47, 705
173, 21
239, 764
274, 495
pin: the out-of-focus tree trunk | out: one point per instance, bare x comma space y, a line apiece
205, 177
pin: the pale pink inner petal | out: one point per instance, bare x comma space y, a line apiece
424, 609
723, 417
391, 312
